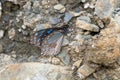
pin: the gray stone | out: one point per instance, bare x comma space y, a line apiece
68, 17
5, 59
1, 33
83, 1
40, 27
31, 20
94, 28
104, 8
36, 7
0, 9
65, 41
64, 56
1, 47
54, 20
35, 71
60, 8
85, 18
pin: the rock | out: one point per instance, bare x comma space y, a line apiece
25, 33
85, 70
104, 9
76, 13
23, 27
27, 6
41, 26
65, 41
31, 20
56, 61
85, 18
35, 71
0, 9
77, 64
36, 7
87, 26
11, 33
54, 20
60, 8
68, 17
100, 23
5, 59
106, 46
63, 2
118, 3
86, 5
64, 56
78, 37
44, 2
1, 33
83, 1
1, 47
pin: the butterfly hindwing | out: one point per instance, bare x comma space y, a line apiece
52, 44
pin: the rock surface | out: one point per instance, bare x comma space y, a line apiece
1, 33
104, 9
92, 39
106, 48
35, 71
87, 26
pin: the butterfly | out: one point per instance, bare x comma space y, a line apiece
49, 40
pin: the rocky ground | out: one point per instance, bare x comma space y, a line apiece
90, 51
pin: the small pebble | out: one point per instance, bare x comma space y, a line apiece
55, 61
85, 18
59, 7
23, 27
77, 63
64, 56
83, 1
87, 26
104, 8
86, 5
1, 33
67, 17
41, 26
1, 48
20, 30
54, 20
65, 41
11, 33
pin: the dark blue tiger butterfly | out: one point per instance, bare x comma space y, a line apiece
49, 40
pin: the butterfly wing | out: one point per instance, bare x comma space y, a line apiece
52, 44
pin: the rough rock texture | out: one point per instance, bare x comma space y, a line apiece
91, 43
105, 49
87, 26
104, 9
35, 71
